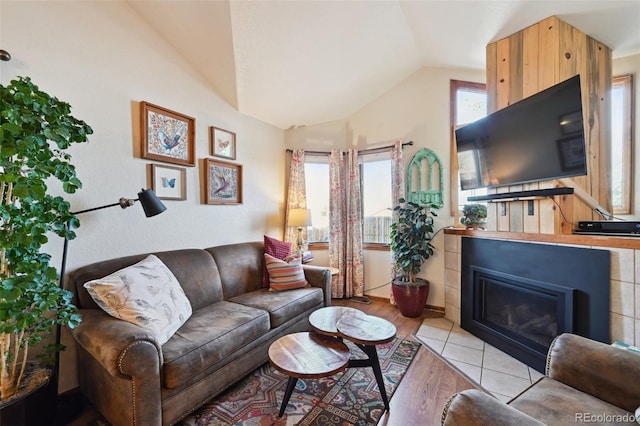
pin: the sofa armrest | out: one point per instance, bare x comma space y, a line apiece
319, 276
473, 407
596, 368
109, 341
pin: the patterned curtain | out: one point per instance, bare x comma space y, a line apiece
398, 190
296, 193
345, 225
354, 258
337, 222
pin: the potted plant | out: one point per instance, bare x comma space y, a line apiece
474, 216
35, 130
411, 236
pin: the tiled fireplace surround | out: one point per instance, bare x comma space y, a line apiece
624, 286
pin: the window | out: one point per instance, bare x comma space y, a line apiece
468, 103
621, 143
316, 175
375, 188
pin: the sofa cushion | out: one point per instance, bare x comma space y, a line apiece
209, 336
553, 402
285, 274
240, 266
146, 294
276, 248
282, 305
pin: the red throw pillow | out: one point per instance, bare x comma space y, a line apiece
276, 248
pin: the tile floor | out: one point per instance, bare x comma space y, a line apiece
497, 372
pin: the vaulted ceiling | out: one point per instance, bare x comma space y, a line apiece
306, 62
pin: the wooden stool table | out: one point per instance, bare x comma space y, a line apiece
307, 356
366, 331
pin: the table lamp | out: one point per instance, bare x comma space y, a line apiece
300, 218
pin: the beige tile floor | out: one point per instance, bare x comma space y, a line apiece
497, 372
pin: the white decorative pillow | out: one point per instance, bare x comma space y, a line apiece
146, 294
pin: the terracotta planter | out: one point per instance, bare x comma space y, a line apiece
410, 298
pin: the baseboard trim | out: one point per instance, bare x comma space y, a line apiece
434, 308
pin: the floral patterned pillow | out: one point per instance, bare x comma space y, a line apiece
146, 294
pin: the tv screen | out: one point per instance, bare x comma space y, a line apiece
538, 138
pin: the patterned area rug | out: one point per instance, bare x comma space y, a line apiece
348, 398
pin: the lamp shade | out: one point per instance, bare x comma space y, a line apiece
150, 203
299, 217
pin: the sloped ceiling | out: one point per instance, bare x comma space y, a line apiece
303, 62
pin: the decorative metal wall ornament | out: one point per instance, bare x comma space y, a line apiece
421, 169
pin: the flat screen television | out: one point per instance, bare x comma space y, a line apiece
538, 138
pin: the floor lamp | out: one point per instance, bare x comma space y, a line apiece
152, 206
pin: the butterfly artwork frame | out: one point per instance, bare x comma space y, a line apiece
223, 143
167, 135
169, 182
222, 182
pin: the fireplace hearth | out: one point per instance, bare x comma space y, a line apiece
518, 297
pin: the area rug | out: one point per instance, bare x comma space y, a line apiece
348, 398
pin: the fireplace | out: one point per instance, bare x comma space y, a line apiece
519, 296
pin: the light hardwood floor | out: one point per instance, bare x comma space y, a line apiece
429, 382
423, 391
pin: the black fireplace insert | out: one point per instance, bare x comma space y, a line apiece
519, 296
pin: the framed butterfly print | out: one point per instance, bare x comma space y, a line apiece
168, 182
223, 143
167, 136
222, 182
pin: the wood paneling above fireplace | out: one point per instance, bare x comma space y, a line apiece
532, 60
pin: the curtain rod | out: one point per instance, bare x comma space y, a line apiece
365, 151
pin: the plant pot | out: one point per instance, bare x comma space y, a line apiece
476, 225
31, 405
410, 298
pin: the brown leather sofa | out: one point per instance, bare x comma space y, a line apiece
132, 380
585, 382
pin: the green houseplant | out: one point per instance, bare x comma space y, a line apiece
35, 130
474, 215
411, 236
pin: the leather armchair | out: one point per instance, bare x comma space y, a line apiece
586, 382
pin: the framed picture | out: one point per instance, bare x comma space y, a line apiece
223, 143
167, 135
222, 182
168, 182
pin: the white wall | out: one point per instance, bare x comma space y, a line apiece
416, 110
622, 66
103, 59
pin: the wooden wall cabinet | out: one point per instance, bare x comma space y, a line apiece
528, 62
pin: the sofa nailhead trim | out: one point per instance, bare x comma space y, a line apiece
547, 366
133, 383
445, 411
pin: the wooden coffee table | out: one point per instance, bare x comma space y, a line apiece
366, 331
307, 355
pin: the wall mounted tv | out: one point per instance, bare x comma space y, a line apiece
538, 138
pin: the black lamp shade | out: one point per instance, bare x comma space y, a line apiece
150, 203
